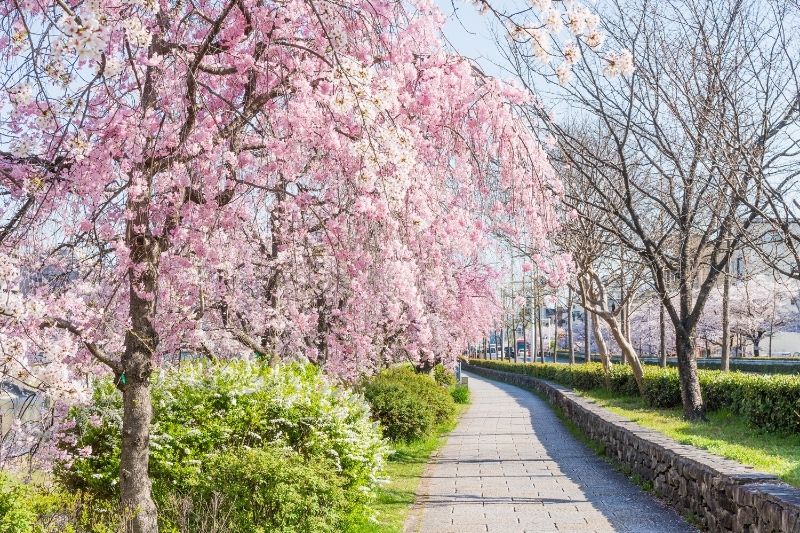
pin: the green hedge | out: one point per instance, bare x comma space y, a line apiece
770, 402
407, 404
443, 376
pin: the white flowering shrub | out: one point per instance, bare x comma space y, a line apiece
207, 416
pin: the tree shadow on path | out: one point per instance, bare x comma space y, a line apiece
512, 465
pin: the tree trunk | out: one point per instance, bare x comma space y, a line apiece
499, 341
725, 356
628, 320
587, 349
757, 344
628, 352
691, 396
525, 338
269, 339
662, 325
139, 512
514, 336
539, 332
569, 329
601, 345
555, 330
534, 321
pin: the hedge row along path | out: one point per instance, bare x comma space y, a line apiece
511, 466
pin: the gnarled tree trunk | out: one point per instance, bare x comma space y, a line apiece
691, 395
628, 352
601, 344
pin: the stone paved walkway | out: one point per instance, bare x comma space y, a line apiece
510, 466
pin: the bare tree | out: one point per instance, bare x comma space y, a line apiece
571, 346
678, 153
601, 264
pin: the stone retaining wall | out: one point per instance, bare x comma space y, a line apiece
721, 495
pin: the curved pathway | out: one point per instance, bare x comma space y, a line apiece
511, 465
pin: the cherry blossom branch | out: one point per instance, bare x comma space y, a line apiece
97, 352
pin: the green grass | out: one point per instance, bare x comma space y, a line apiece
724, 434
403, 470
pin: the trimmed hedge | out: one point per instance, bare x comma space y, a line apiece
770, 402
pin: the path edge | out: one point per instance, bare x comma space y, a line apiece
413, 521
722, 495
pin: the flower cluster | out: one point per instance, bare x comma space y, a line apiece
21, 94
564, 73
571, 53
79, 146
136, 32
540, 44
581, 21
9, 270
23, 147
619, 64
84, 36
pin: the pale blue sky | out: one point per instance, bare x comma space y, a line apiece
469, 33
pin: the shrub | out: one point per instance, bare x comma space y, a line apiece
201, 409
16, 516
268, 489
622, 381
403, 416
443, 376
408, 405
719, 389
770, 402
460, 394
33, 508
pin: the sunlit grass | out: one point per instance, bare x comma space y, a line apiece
724, 434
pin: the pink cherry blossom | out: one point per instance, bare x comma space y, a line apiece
298, 180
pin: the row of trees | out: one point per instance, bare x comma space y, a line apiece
303, 179
542, 317
757, 309
672, 170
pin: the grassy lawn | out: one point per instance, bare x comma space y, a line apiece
724, 434
403, 470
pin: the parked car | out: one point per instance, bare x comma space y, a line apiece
508, 352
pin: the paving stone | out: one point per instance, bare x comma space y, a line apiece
511, 466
